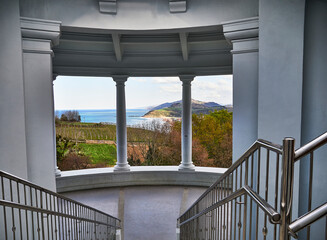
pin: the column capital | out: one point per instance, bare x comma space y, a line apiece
39, 35
40, 29
54, 77
242, 34
120, 79
186, 79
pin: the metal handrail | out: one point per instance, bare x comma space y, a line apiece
307, 219
311, 146
217, 213
266, 207
35, 209
30, 184
257, 144
30, 211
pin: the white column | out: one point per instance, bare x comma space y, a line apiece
121, 131
186, 164
38, 38
243, 35
57, 170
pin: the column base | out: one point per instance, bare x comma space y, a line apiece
188, 167
122, 168
57, 172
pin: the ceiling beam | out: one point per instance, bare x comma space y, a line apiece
184, 45
117, 46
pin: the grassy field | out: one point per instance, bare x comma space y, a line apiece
100, 153
96, 131
89, 131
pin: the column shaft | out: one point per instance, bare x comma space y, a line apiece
121, 130
57, 171
186, 163
40, 138
39, 36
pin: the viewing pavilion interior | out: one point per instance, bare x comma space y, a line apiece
277, 53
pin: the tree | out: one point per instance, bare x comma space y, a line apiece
70, 116
160, 144
214, 131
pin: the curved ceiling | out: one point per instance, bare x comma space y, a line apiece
143, 53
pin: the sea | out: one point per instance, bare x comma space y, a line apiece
133, 116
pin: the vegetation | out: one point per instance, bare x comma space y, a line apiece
72, 155
97, 131
151, 143
211, 143
214, 132
99, 153
70, 116
68, 155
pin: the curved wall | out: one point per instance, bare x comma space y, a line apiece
139, 15
148, 200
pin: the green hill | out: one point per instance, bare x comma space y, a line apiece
174, 109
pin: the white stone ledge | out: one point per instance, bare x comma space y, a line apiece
138, 176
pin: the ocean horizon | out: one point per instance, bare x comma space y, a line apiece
133, 116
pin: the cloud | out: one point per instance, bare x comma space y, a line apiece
205, 88
171, 88
142, 80
165, 80
214, 88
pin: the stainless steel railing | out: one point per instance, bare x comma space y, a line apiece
307, 219
256, 188
212, 217
28, 211
307, 154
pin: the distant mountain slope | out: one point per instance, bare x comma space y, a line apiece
174, 109
164, 105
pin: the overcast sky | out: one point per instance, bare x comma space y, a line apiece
99, 92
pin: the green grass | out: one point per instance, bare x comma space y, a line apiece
100, 153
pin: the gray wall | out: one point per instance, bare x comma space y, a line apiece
314, 106
281, 29
12, 114
147, 212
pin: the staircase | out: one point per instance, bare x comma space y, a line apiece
28, 211
254, 199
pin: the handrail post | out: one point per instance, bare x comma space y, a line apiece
287, 186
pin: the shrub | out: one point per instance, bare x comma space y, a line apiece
74, 161
63, 147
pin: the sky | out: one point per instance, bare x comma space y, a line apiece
100, 92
